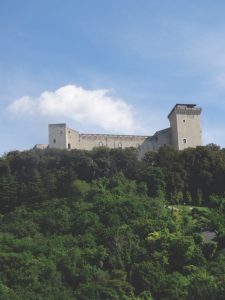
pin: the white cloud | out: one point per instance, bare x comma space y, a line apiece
24, 105
92, 107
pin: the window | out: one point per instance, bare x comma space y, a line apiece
184, 121
54, 141
184, 141
69, 146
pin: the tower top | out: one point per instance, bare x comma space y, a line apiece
185, 108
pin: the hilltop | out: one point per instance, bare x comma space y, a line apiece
101, 224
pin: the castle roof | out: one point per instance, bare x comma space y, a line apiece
184, 106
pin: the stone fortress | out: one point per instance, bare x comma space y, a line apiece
184, 132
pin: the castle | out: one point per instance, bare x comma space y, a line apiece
184, 132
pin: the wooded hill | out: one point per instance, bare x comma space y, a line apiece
103, 225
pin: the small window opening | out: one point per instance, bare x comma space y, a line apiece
54, 141
184, 121
184, 141
69, 146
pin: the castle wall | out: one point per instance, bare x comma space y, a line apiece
89, 141
174, 130
153, 143
61, 137
162, 138
72, 139
40, 146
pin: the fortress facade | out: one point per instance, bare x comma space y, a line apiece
184, 132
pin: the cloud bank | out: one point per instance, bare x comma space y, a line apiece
90, 107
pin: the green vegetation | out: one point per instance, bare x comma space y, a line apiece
103, 225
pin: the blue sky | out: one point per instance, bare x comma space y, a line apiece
109, 66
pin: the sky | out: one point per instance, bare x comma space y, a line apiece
109, 66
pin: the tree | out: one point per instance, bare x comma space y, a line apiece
155, 179
202, 286
8, 193
174, 287
147, 276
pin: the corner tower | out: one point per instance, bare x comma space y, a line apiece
185, 126
57, 136
62, 137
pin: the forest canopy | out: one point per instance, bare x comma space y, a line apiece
101, 224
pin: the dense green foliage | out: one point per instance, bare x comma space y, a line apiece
103, 225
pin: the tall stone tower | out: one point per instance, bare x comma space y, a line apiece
185, 126
62, 137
